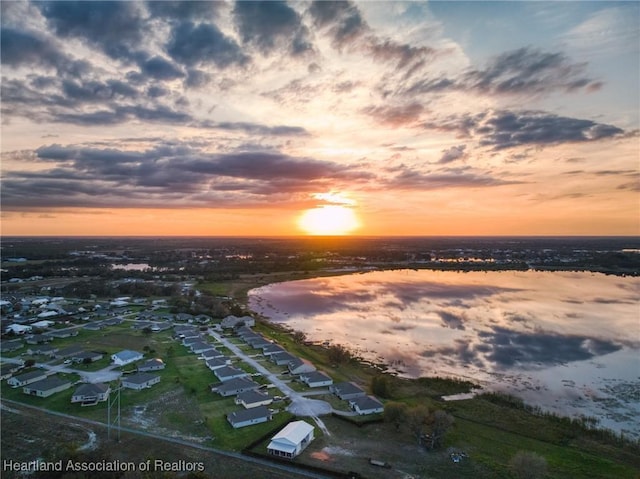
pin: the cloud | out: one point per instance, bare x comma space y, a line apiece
160, 69
452, 154
204, 44
271, 26
181, 10
169, 174
412, 179
507, 129
341, 19
396, 116
115, 27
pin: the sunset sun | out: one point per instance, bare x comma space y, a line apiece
329, 220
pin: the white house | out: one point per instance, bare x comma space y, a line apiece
46, 387
291, 440
366, 405
126, 357
249, 417
316, 379
19, 328
154, 364
300, 366
217, 363
226, 373
91, 394
347, 390
235, 386
26, 378
253, 398
140, 381
234, 321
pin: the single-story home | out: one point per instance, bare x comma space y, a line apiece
199, 347
42, 350
234, 321
226, 373
249, 417
217, 363
38, 339
69, 351
7, 370
126, 357
300, 366
291, 440
18, 328
91, 394
46, 387
63, 333
366, 405
272, 349
235, 386
140, 381
155, 364
26, 378
89, 356
258, 342
316, 379
44, 324
211, 353
192, 339
282, 359
253, 398
347, 390
11, 345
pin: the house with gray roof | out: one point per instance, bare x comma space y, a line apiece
211, 353
63, 333
69, 351
235, 386
226, 373
300, 366
316, 379
7, 370
26, 378
253, 398
140, 381
89, 356
347, 390
234, 322
11, 345
249, 417
89, 394
42, 350
271, 348
126, 357
155, 364
46, 387
199, 347
282, 359
366, 405
217, 363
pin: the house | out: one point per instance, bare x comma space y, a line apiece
235, 386
199, 347
70, 351
140, 381
86, 356
366, 405
226, 373
282, 359
18, 328
211, 353
300, 366
26, 378
63, 333
271, 348
46, 387
258, 342
192, 339
126, 357
7, 370
155, 364
291, 440
42, 350
217, 363
234, 322
38, 339
316, 379
91, 394
249, 417
253, 398
12, 345
347, 390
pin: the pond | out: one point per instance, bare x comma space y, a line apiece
568, 342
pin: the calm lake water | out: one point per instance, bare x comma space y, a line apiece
568, 342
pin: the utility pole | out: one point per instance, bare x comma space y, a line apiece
115, 401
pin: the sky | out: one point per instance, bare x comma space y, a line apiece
258, 118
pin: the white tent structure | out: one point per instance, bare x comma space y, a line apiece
291, 440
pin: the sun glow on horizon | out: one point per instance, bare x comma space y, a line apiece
329, 220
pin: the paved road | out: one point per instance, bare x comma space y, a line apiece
300, 405
289, 469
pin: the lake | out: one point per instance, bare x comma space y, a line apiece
568, 342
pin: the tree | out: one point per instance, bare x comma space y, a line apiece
395, 413
441, 423
528, 465
299, 337
338, 354
29, 362
417, 418
381, 385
